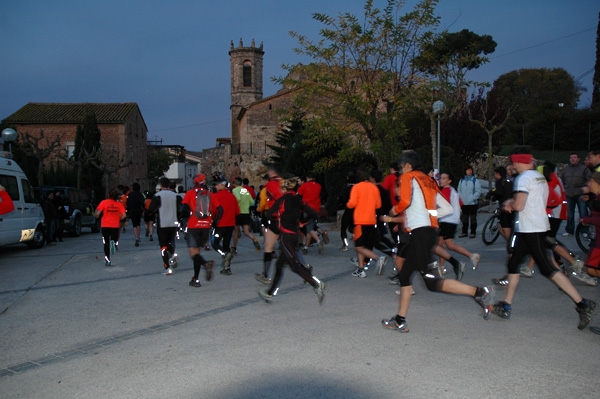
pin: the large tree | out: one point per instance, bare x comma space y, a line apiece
540, 98
446, 60
355, 87
87, 150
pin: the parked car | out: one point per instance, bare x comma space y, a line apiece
79, 207
24, 224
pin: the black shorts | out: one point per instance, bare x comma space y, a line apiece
368, 237
243, 219
135, 220
506, 220
197, 238
448, 230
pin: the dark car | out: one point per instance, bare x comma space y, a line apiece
80, 208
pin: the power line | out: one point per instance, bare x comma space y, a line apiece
544, 43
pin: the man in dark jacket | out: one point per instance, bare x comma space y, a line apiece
575, 177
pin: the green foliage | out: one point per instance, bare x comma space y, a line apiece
159, 161
356, 87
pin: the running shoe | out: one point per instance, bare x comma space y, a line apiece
234, 250
486, 301
256, 245
209, 269
460, 270
137, 242
393, 325
359, 273
320, 291
227, 260
394, 280
173, 261
226, 271
107, 263
381, 261
526, 271
475, 258
344, 248
151, 239
195, 283
577, 266
502, 309
502, 281
354, 261
584, 278
585, 315
265, 296
168, 271
113, 247
304, 250
261, 278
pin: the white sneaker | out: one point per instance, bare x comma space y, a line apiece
526, 272
475, 260
565, 234
359, 273
168, 271
585, 278
577, 266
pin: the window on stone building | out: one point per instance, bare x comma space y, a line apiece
247, 74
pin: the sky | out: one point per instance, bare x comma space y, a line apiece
171, 56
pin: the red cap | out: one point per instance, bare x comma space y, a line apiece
199, 178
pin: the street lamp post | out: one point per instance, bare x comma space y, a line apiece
438, 107
560, 105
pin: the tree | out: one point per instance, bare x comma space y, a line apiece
159, 162
40, 147
87, 151
355, 88
290, 151
491, 119
534, 96
446, 60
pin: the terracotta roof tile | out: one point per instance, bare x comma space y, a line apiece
70, 113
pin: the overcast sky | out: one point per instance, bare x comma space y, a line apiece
171, 57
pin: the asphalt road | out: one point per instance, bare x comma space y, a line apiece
72, 328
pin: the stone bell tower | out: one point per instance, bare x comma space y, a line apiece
246, 65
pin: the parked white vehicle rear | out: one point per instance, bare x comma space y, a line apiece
25, 224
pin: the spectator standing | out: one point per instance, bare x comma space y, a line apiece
59, 204
575, 177
164, 205
50, 216
111, 212
469, 190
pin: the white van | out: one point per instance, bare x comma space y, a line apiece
26, 222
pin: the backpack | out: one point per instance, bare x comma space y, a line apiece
202, 204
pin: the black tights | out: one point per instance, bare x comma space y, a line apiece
288, 243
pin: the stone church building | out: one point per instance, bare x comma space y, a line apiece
254, 119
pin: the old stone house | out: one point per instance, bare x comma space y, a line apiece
122, 128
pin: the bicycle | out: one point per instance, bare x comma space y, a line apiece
491, 228
584, 235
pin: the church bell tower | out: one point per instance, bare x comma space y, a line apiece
246, 65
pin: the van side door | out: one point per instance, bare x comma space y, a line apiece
11, 223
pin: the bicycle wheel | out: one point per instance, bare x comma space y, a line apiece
584, 236
491, 230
